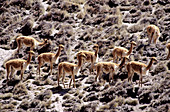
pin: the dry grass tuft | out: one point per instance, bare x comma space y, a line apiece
103, 108
25, 104
7, 106
131, 101
76, 1
20, 89
48, 81
119, 100
47, 104
6, 96
66, 96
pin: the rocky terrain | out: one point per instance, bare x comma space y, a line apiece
78, 25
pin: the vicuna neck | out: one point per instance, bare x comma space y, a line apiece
29, 59
149, 65
41, 43
122, 63
80, 61
58, 52
130, 50
96, 52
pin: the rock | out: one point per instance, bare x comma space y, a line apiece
34, 103
145, 97
4, 40
161, 67
159, 13
162, 2
56, 89
13, 82
26, 4
27, 27
107, 95
113, 3
25, 104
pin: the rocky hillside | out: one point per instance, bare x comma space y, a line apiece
78, 25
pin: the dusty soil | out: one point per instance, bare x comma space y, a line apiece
78, 25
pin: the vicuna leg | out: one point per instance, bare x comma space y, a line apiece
32, 45
111, 76
19, 44
60, 71
72, 77
92, 64
113, 57
155, 36
8, 71
39, 65
117, 59
63, 78
12, 72
129, 72
98, 72
140, 81
22, 72
131, 78
140, 78
100, 75
150, 39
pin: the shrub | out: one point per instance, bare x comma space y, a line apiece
20, 89
131, 101
6, 96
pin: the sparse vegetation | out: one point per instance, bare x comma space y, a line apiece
131, 101
6, 96
78, 25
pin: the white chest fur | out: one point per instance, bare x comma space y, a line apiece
36, 44
76, 71
56, 61
116, 69
25, 66
97, 59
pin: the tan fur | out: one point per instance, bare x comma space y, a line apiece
139, 68
91, 56
29, 42
70, 68
18, 64
168, 47
49, 58
108, 67
153, 33
121, 51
